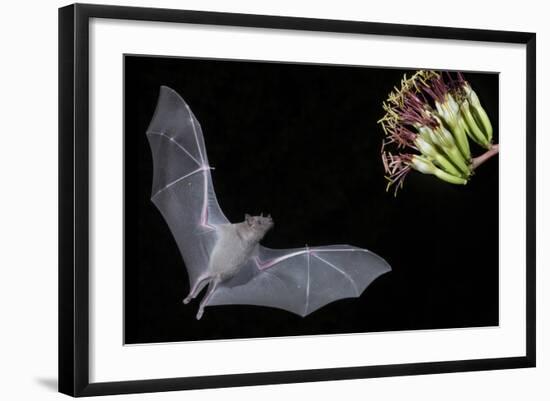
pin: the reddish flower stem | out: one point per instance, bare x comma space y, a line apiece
478, 161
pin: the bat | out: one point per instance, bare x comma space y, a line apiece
228, 258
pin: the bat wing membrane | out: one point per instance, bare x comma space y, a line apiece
182, 184
302, 280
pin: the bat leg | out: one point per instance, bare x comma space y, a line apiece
197, 288
211, 288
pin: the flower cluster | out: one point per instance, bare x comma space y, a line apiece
428, 123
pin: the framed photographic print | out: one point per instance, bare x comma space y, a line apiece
299, 199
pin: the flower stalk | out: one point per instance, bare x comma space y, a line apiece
478, 161
428, 124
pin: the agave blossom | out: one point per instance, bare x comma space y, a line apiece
429, 123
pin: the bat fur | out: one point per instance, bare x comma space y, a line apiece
235, 245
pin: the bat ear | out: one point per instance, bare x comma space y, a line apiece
247, 217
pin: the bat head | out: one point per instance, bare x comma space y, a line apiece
259, 224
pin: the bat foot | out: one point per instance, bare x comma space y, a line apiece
199, 313
187, 300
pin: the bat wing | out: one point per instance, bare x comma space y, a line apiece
182, 183
301, 280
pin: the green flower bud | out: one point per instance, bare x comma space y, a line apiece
430, 151
479, 114
449, 112
425, 166
473, 129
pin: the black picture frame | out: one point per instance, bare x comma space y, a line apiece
74, 198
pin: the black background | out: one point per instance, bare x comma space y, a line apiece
301, 141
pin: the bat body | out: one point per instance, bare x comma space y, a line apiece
228, 258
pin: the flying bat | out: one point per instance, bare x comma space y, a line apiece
228, 258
